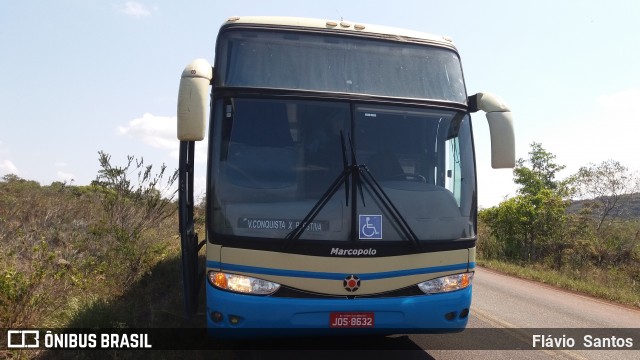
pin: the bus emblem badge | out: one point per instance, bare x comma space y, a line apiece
351, 283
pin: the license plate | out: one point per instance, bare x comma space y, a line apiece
351, 320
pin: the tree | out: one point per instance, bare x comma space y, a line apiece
133, 208
541, 174
530, 224
607, 188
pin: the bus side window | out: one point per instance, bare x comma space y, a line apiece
452, 166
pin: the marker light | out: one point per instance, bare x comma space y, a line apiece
242, 284
446, 283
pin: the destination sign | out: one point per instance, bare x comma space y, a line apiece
280, 224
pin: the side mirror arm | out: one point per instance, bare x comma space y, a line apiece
500, 119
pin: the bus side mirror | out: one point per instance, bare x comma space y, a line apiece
503, 144
193, 97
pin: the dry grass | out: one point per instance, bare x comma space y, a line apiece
61, 251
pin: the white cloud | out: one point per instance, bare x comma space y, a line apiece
160, 132
7, 167
156, 131
65, 176
135, 9
62, 174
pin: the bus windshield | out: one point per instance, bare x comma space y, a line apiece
342, 64
273, 160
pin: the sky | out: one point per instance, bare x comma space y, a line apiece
82, 76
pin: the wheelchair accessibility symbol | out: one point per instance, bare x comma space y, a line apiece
370, 226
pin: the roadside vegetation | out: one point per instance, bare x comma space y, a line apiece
105, 255
590, 244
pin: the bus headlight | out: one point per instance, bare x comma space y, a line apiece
242, 284
446, 283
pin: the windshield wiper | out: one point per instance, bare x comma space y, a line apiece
343, 177
379, 192
359, 172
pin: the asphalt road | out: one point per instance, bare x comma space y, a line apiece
506, 312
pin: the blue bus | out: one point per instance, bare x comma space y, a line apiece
341, 184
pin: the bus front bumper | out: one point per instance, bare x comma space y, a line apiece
231, 314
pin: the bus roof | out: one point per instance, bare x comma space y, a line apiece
343, 25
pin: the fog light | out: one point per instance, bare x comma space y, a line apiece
216, 316
464, 313
450, 315
234, 320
